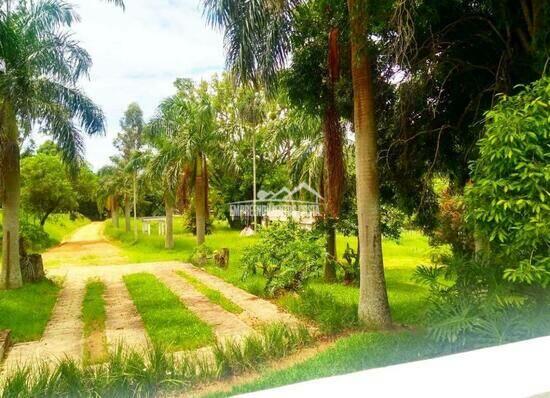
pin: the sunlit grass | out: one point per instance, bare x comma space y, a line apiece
213, 295
26, 311
93, 317
167, 321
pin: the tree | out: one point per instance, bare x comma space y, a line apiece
45, 186
374, 307
42, 64
129, 142
190, 119
257, 36
257, 47
508, 201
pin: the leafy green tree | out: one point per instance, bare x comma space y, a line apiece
41, 64
129, 142
508, 201
46, 187
257, 36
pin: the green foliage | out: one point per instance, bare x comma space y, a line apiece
153, 371
392, 221
509, 200
45, 186
321, 307
201, 256
470, 304
287, 255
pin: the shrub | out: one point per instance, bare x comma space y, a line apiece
321, 307
287, 255
471, 304
509, 200
392, 222
201, 256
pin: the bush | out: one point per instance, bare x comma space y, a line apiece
471, 304
287, 255
201, 256
392, 221
508, 202
451, 227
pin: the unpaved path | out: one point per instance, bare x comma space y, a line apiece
86, 246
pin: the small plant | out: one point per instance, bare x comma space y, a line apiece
202, 255
350, 265
287, 255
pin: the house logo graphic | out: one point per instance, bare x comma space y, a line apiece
299, 203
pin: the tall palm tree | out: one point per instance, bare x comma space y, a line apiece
374, 307
190, 119
40, 65
257, 39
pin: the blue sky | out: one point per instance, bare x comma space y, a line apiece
138, 54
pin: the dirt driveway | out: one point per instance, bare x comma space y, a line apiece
87, 246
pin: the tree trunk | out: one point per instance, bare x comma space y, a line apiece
374, 310
200, 198
114, 211
334, 156
10, 277
169, 236
127, 214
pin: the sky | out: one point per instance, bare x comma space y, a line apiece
137, 55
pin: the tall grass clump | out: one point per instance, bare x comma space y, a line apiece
152, 371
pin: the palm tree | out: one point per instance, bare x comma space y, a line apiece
257, 39
40, 65
190, 120
374, 308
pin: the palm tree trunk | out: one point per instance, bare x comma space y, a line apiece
10, 277
334, 157
127, 214
200, 199
169, 237
374, 308
114, 211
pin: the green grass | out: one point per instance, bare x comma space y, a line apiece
167, 321
357, 352
152, 372
26, 311
213, 295
93, 317
407, 299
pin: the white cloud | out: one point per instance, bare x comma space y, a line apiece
138, 54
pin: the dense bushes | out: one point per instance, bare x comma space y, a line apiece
287, 255
497, 291
509, 199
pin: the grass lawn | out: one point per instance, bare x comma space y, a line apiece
357, 352
26, 311
167, 321
213, 295
407, 299
93, 317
